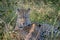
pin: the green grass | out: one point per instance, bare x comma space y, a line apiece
49, 13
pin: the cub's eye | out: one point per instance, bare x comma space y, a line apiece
19, 17
26, 17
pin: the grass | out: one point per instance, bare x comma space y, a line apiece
49, 14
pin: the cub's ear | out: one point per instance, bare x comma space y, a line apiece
28, 10
18, 11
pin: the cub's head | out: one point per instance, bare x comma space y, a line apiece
23, 16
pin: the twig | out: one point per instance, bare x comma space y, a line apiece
30, 32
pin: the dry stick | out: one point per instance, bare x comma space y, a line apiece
37, 35
17, 37
30, 32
